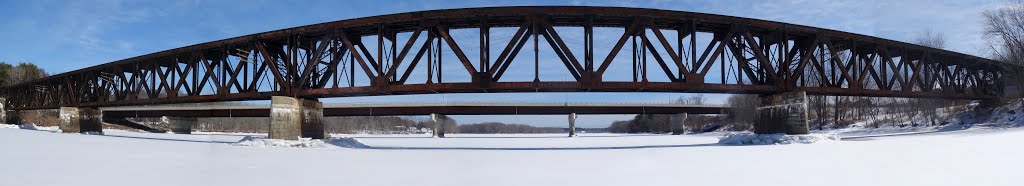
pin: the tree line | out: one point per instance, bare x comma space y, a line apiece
659, 123
22, 72
502, 128
337, 125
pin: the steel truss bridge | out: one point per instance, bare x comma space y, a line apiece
697, 53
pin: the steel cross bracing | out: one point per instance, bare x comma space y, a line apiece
322, 60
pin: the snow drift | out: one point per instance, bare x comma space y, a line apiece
31, 127
301, 143
265, 143
347, 143
774, 139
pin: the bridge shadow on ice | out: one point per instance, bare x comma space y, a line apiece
348, 143
172, 139
511, 137
540, 148
944, 129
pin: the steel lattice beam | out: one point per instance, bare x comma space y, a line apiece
321, 60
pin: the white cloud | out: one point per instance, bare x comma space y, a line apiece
87, 22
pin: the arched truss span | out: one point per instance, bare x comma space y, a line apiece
669, 51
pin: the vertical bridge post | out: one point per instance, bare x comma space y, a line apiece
677, 122
572, 124
440, 123
180, 125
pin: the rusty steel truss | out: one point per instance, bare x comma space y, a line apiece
734, 55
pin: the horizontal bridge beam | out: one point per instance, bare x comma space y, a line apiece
426, 110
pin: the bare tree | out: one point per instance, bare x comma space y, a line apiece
741, 109
932, 39
1004, 27
928, 107
695, 100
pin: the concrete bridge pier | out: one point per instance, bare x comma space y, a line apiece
313, 119
81, 120
572, 124
440, 121
677, 122
782, 113
180, 125
291, 118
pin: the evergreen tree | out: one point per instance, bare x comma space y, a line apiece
23, 72
5, 70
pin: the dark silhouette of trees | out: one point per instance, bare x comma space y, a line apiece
741, 112
23, 72
502, 128
659, 123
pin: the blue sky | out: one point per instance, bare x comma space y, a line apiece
60, 36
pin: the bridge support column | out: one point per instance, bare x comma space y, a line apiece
782, 113
440, 124
81, 120
572, 124
180, 125
677, 122
313, 119
12, 117
291, 118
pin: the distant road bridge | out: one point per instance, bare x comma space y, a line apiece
692, 52
407, 109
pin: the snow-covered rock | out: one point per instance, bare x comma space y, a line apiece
773, 139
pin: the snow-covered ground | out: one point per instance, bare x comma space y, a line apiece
976, 156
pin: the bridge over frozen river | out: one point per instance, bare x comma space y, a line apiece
669, 51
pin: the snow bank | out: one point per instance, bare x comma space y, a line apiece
8, 126
265, 143
772, 139
348, 143
39, 128
301, 143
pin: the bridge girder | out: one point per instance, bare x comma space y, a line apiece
697, 53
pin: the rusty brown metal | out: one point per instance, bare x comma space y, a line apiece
321, 60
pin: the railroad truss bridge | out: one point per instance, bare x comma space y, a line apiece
406, 53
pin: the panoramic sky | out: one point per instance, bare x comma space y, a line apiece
61, 36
